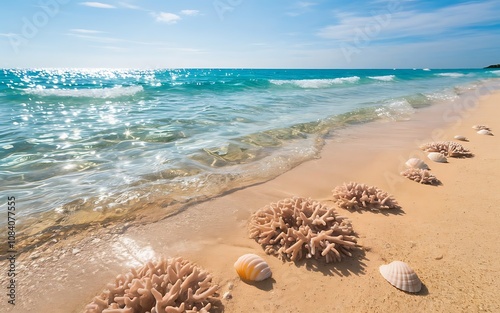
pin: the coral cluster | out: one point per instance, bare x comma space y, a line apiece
447, 148
355, 196
420, 176
481, 127
297, 227
169, 286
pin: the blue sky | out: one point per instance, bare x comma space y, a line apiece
250, 33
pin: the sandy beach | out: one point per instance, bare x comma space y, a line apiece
448, 234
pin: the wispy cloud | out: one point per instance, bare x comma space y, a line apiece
7, 34
190, 12
99, 5
304, 4
166, 17
85, 31
412, 23
300, 8
130, 6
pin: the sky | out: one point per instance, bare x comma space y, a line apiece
249, 34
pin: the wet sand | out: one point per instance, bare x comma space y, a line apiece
448, 234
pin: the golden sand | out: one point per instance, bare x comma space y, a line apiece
449, 234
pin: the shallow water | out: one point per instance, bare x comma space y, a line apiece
82, 147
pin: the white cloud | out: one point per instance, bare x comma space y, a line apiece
7, 35
130, 6
395, 24
85, 31
304, 4
190, 12
165, 17
99, 5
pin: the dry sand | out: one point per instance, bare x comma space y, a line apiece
449, 234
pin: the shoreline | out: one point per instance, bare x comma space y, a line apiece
213, 233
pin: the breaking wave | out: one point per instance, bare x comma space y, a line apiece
316, 83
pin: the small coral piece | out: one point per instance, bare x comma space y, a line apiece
355, 196
481, 127
447, 148
420, 176
175, 285
297, 227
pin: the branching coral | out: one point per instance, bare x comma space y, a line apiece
421, 176
355, 196
169, 286
297, 227
447, 148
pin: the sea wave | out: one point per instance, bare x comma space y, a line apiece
385, 78
496, 72
316, 83
450, 74
398, 109
101, 93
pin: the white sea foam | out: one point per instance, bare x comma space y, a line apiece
101, 93
385, 78
396, 110
316, 83
450, 74
496, 72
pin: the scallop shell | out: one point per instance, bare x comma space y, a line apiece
400, 275
461, 138
416, 163
484, 132
252, 267
437, 157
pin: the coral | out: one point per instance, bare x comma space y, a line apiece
420, 176
355, 196
297, 227
481, 127
171, 286
447, 148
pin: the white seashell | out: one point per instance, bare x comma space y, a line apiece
437, 157
401, 276
416, 163
484, 132
461, 138
252, 267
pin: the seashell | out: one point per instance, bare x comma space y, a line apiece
416, 163
481, 127
461, 138
400, 275
437, 157
484, 132
252, 267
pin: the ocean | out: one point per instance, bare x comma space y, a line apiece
90, 147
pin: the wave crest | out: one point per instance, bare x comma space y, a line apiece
315, 83
450, 74
385, 78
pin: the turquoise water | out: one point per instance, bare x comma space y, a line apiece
101, 140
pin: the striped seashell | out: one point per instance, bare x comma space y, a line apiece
461, 138
401, 276
416, 163
252, 267
484, 132
437, 157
